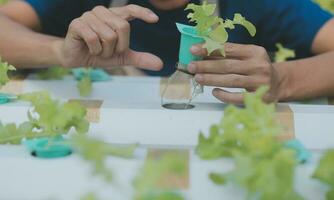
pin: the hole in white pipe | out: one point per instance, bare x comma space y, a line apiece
178, 106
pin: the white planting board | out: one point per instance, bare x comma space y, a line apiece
23, 177
131, 113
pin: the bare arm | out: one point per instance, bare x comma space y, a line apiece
99, 37
249, 67
20, 45
311, 77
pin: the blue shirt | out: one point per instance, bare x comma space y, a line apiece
294, 23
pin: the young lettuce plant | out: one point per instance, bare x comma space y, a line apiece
4, 68
149, 182
54, 117
10, 133
326, 4
96, 152
263, 166
55, 73
325, 172
47, 118
282, 53
90, 196
85, 86
213, 29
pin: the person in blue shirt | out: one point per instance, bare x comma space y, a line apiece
36, 33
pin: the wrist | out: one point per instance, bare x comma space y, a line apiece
57, 52
46, 51
284, 89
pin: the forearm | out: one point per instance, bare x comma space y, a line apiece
24, 48
306, 78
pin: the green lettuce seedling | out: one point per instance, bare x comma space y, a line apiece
213, 29
96, 152
326, 4
325, 172
90, 196
47, 118
283, 54
263, 166
85, 85
54, 73
147, 182
4, 68
10, 133
55, 117
3, 2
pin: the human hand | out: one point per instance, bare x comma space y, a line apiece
101, 38
244, 66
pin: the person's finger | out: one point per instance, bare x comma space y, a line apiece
221, 66
132, 58
198, 50
227, 80
107, 36
232, 50
119, 25
144, 60
228, 97
131, 12
240, 51
79, 30
237, 97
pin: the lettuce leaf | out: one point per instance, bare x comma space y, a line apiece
4, 68
249, 136
325, 172
213, 29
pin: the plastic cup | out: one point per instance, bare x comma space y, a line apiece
189, 37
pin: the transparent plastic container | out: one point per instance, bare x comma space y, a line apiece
178, 91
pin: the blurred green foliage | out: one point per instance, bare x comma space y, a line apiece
3, 1
283, 54
326, 4
96, 152
325, 172
53, 73
156, 180
249, 136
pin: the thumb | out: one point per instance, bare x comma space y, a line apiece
143, 60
